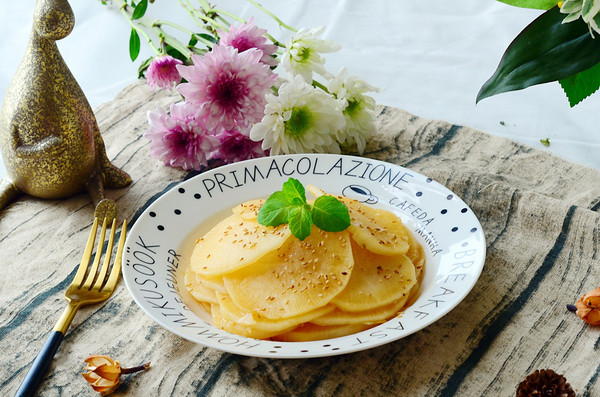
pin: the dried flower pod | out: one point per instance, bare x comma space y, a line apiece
588, 307
545, 382
104, 373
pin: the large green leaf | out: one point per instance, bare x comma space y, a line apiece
546, 50
581, 85
538, 4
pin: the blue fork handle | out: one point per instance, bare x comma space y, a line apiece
40, 365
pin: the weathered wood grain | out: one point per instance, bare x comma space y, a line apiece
541, 224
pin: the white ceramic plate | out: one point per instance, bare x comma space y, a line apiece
161, 240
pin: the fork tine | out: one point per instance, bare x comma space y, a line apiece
116, 270
102, 275
87, 254
92, 272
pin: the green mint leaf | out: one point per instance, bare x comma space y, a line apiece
275, 210
300, 221
294, 191
330, 214
289, 206
134, 44
139, 10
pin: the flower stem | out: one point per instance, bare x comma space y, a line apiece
139, 368
316, 84
275, 41
144, 22
230, 15
269, 13
173, 42
205, 6
208, 18
159, 23
210, 10
137, 28
198, 16
192, 14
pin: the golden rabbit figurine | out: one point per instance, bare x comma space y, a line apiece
50, 141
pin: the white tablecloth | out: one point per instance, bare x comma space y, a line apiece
430, 57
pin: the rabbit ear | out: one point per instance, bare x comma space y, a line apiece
53, 19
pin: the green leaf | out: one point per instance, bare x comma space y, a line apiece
208, 37
294, 191
175, 53
144, 65
546, 50
589, 10
275, 210
537, 4
139, 10
134, 44
330, 214
581, 85
300, 221
571, 7
289, 206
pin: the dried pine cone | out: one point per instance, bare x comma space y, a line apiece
545, 383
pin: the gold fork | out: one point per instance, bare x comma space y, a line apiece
96, 287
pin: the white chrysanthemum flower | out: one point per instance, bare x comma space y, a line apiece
300, 119
588, 10
303, 51
359, 110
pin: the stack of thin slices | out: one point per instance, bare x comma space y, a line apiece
262, 282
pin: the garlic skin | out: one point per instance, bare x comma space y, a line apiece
104, 373
588, 307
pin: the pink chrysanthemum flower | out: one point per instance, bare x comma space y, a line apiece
162, 72
180, 139
248, 36
237, 147
229, 84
